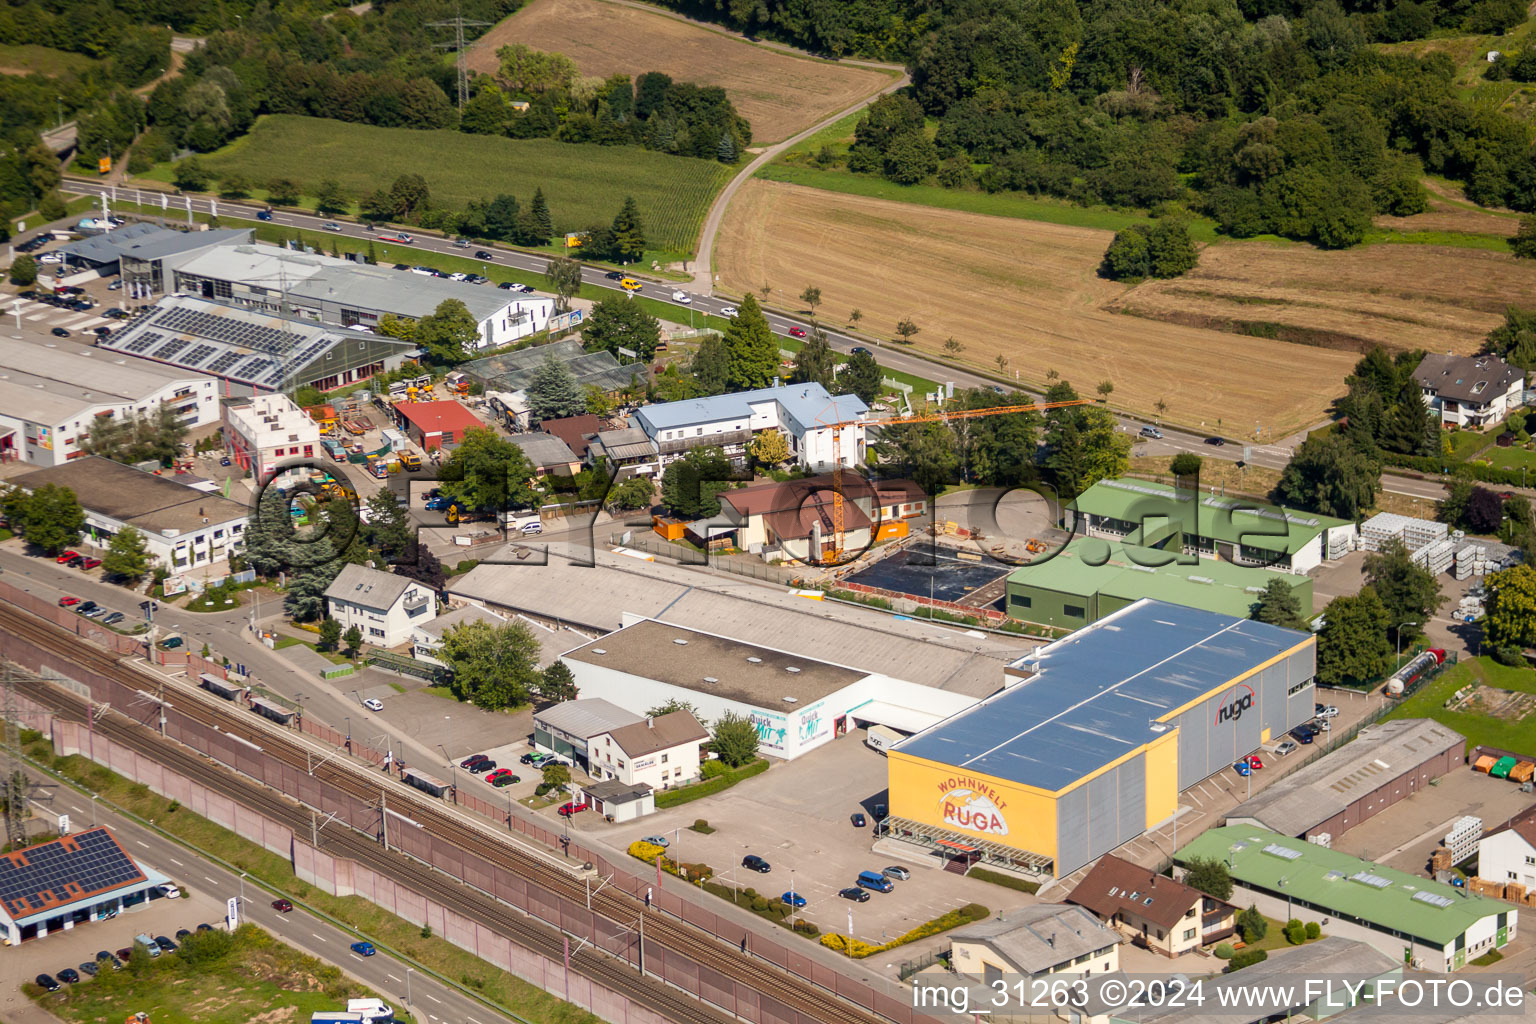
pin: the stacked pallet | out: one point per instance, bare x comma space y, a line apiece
1466, 556
1436, 556
1414, 533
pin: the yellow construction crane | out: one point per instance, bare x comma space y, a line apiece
937, 417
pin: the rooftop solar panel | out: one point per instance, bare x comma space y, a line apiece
197, 355
171, 348
63, 871
144, 341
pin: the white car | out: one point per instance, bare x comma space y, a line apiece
521, 289
682, 297
460, 276
661, 841
50, 257
1328, 712
331, 225
170, 892
373, 704
729, 311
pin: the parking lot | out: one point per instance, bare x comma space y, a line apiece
796, 816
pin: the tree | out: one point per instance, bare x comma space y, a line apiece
1330, 475
191, 176
554, 391
494, 664
153, 436
925, 452
1484, 512
1252, 925
629, 232
953, 347
770, 448
690, 485
812, 298
564, 277
854, 316
1105, 389
725, 152
711, 365
1172, 250
409, 196
910, 158
555, 774
449, 333
1523, 245
815, 362
634, 493
1511, 608
283, 192
269, 538
234, 186
353, 638
1185, 464
127, 555
538, 207
907, 330
861, 376
50, 518
388, 524
486, 473
556, 683
24, 270
1278, 605
1210, 876
1515, 339
372, 257
1352, 646
1408, 591
330, 634
616, 323
675, 704
735, 739
753, 350
1129, 256
330, 197
1083, 445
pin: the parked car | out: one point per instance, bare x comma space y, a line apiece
1318, 725
797, 332
854, 893
1241, 767
90, 563
46, 983
661, 841
170, 643
729, 311
98, 612
76, 562
537, 759
880, 812
113, 619
165, 944
1326, 711
282, 906
65, 556
68, 602
792, 899
499, 780
363, 948
874, 880
205, 927
484, 254
1254, 762
85, 607
479, 767
858, 820
1152, 432
897, 872
437, 504
69, 975
182, 933
472, 760
89, 969
1301, 734
530, 757
373, 704
123, 954
573, 808
753, 862
330, 225
102, 331
458, 275
150, 945
115, 285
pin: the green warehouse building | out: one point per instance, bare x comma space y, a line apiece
1092, 577
1437, 927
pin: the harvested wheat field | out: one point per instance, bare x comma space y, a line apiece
1022, 289
1437, 298
778, 93
1449, 210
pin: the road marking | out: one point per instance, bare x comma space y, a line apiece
142, 843
434, 998
177, 862
471, 1020
391, 977
320, 937
215, 881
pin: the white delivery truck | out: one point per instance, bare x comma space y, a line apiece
882, 738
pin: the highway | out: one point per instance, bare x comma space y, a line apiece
430, 1000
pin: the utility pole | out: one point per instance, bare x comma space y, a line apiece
457, 45
15, 788
383, 817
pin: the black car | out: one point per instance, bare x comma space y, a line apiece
90, 970
854, 893
59, 332
205, 927
105, 955
482, 254
858, 349
614, 275
755, 863
881, 812
165, 944
528, 757
76, 562
69, 975
472, 760
482, 766
1301, 734
28, 295
858, 820
46, 983
85, 606
1217, 441
102, 331
182, 933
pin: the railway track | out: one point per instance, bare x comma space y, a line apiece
619, 906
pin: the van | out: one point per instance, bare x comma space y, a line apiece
882, 738
875, 880
150, 945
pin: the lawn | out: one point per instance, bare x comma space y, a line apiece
584, 184
255, 978
27, 59
1511, 458
430, 953
1478, 729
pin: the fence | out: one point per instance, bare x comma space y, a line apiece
407, 666
641, 539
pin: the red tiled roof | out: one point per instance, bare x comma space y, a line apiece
1110, 887
574, 431
437, 417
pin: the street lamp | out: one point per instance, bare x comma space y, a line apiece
1400, 640
408, 972
348, 719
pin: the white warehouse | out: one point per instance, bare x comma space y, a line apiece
797, 703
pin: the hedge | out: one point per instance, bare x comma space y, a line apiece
1008, 881
648, 852
1247, 958
1440, 465
968, 914
709, 787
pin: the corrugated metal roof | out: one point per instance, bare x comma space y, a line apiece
587, 717
806, 404
1233, 520
1098, 692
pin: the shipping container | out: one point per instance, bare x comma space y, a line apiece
1522, 772
1501, 768
1484, 763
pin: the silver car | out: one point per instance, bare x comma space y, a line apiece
897, 872
1285, 747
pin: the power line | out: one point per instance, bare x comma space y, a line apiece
457, 24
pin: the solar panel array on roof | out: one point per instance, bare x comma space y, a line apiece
143, 342
63, 871
224, 361
197, 355
171, 348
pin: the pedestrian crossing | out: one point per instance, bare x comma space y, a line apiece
45, 315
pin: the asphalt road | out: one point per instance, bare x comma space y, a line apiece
430, 1000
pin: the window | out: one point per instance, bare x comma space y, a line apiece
1073, 611
1296, 688
621, 766
664, 758
1022, 601
698, 432
1189, 933
1530, 860
309, 450
375, 631
222, 289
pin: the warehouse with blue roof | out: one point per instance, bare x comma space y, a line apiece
1097, 734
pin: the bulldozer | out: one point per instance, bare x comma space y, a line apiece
137, 1018
1034, 546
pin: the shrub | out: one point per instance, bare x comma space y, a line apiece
701, 826
1295, 932
805, 927
674, 797
1314, 930
760, 904
967, 914
1247, 958
1007, 881
1225, 951
1252, 925
713, 769
1508, 654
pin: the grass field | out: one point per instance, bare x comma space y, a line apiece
585, 184
258, 979
1023, 289
1511, 458
1519, 735
1469, 54
26, 59
778, 93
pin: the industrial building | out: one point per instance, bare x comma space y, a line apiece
1386, 762
261, 433
804, 412
342, 293
183, 527
56, 885
1092, 577
1438, 927
797, 703
1047, 938
1237, 530
433, 425
1098, 735
51, 394
146, 253
252, 350
511, 372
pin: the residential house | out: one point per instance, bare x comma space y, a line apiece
1047, 938
568, 728
819, 427
576, 431
661, 752
548, 454
386, 607
1506, 855
1470, 391
791, 521
427, 637
1153, 910
627, 448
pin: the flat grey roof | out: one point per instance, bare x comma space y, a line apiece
1379, 754
1097, 692
106, 248
169, 243
691, 659
587, 717
544, 450
149, 503
458, 617
361, 286
51, 382
600, 598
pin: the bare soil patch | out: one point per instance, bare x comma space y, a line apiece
1025, 290
778, 93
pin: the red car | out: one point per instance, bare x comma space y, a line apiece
282, 905
68, 602
66, 556
90, 563
797, 332
1254, 762
566, 810
498, 773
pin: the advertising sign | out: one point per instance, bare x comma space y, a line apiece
63, 824
104, 165
232, 912
1238, 700
973, 805
45, 438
